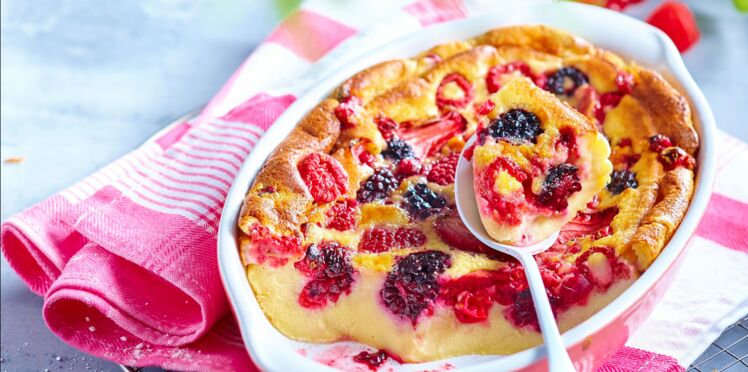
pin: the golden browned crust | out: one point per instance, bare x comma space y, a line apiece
375, 79
537, 37
657, 226
284, 210
669, 110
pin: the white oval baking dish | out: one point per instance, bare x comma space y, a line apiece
611, 326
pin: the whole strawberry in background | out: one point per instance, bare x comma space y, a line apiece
674, 18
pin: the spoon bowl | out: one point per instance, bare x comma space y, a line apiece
467, 206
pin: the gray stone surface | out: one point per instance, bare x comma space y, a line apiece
84, 82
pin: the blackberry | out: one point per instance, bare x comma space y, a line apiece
621, 180
560, 182
557, 81
412, 286
515, 125
328, 265
377, 186
397, 150
421, 202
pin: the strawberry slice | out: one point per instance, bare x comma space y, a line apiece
595, 224
431, 136
452, 231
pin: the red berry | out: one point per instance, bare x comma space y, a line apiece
607, 102
409, 237
329, 267
443, 170
372, 360
386, 126
624, 82
467, 92
485, 107
472, 295
382, 239
347, 109
452, 231
407, 167
469, 152
659, 142
673, 157
678, 22
505, 208
342, 215
429, 137
324, 177
266, 248
493, 77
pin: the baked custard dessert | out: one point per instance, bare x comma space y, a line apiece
349, 231
536, 164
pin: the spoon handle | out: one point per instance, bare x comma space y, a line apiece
558, 358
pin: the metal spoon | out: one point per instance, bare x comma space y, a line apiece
467, 206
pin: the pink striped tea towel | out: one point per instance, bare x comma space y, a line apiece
125, 259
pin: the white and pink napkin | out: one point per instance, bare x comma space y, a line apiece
126, 258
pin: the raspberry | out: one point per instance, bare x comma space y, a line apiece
443, 171
328, 265
347, 109
421, 202
409, 237
372, 360
607, 102
397, 150
407, 167
485, 108
568, 139
377, 186
574, 289
560, 182
515, 125
387, 127
342, 215
266, 248
471, 296
382, 239
565, 80
324, 177
624, 82
412, 286
659, 142
673, 157
377, 240
621, 180
363, 155
467, 92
